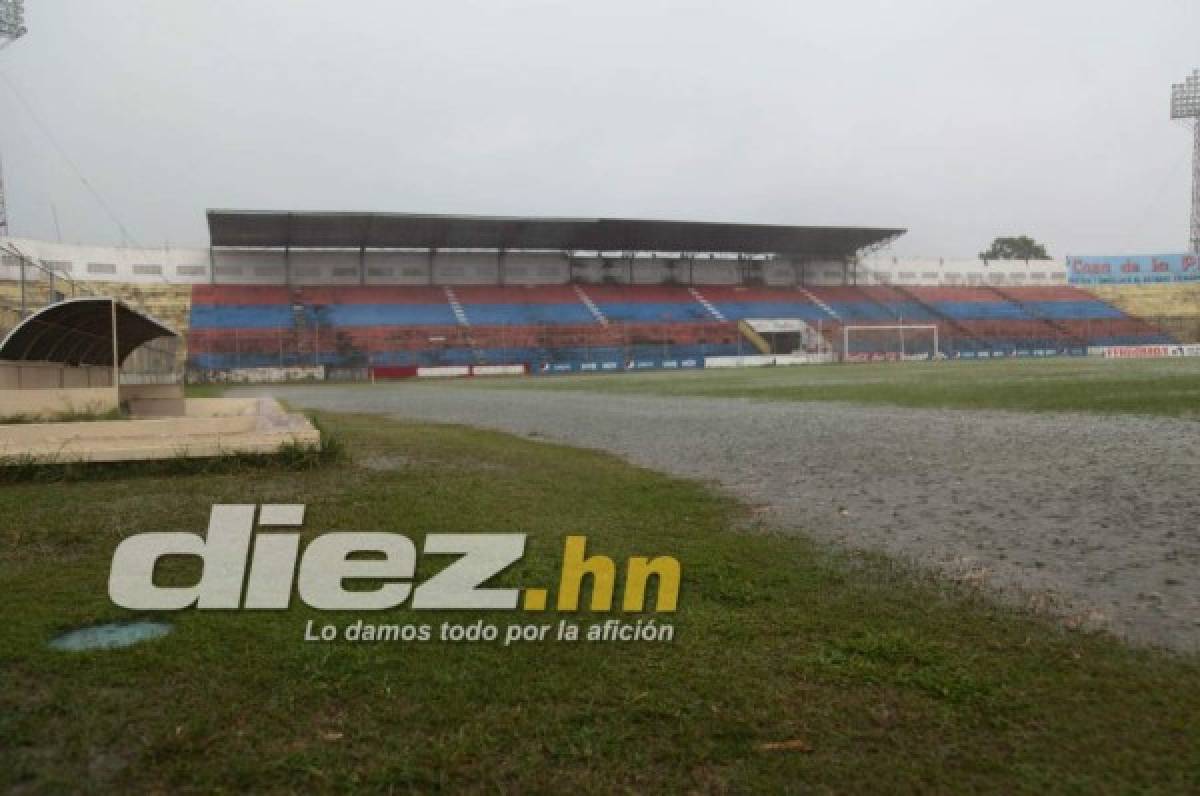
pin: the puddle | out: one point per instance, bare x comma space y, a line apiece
110, 636
384, 463
391, 462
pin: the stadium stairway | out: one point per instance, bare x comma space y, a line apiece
713, 311
522, 306
1056, 328
962, 339
1086, 317
648, 304
737, 303
591, 305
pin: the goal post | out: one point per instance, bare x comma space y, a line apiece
865, 343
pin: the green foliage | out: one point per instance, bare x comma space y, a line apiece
63, 416
1021, 247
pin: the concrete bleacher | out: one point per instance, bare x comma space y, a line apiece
648, 304
737, 303
257, 326
246, 325
1173, 306
1011, 319
521, 306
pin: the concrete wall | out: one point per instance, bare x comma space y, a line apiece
887, 269
344, 267
183, 265
46, 389
36, 388
46, 402
43, 375
248, 268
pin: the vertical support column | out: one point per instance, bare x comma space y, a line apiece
3, 205
362, 265
21, 266
501, 270
432, 253
116, 361
287, 255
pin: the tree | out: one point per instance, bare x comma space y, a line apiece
1018, 248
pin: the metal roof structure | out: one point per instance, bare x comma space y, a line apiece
79, 331
282, 230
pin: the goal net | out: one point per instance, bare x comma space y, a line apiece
899, 342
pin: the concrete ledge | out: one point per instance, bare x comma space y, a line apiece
210, 428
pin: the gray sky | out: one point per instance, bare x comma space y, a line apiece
959, 120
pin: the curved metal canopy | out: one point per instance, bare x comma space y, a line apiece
79, 331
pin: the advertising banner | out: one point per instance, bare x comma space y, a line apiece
776, 325
1133, 269
1145, 351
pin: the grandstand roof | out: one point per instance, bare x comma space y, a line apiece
272, 229
79, 331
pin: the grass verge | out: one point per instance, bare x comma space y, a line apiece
793, 668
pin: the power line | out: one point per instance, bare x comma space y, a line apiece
62, 152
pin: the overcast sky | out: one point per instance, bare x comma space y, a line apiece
958, 120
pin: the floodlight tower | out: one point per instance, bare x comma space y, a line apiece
1185, 106
12, 27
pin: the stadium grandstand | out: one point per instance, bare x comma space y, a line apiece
352, 295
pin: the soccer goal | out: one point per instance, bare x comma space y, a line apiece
897, 342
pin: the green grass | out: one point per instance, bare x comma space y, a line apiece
63, 416
1155, 387
891, 680
204, 390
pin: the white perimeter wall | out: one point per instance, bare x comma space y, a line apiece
109, 263
306, 267
883, 269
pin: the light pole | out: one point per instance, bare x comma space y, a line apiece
1185, 105
12, 27
12, 21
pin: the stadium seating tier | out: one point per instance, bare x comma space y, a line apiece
235, 326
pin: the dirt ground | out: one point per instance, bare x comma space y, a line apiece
1092, 517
